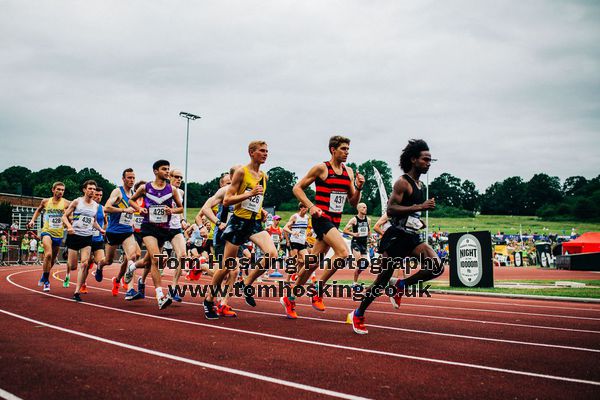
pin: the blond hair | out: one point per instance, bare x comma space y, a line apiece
255, 145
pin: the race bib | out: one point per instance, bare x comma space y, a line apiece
85, 222
126, 219
414, 223
158, 214
55, 222
137, 221
198, 242
95, 232
299, 236
275, 238
336, 201
363, 231
253, 203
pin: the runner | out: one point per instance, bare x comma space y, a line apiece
83, 210
52, 229
276, 233
334, 183
359, 228
4, 251
157, 211
296, 229
246, 192
175, 231
119, 232
97, 236
402, 239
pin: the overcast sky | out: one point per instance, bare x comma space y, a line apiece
497, 88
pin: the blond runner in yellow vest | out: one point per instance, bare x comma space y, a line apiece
246, 193
52, 229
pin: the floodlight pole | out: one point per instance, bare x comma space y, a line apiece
427, 211
189, 117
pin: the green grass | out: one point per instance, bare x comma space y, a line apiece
492, 223
587, 292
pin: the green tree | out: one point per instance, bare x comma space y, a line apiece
573, 184
5, 213
446, 189
541, 190
18, 180
469, 196
279, 187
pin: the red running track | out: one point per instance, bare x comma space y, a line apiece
442, 347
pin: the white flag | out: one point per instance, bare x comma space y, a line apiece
382, 193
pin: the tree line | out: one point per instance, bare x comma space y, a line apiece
543, 195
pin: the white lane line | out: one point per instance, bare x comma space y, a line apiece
407, 304
322, 344
413, 315
8, 396
234, 371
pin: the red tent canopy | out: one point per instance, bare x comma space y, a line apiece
587, 243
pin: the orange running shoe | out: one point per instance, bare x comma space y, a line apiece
225, 311
317, 303
313, 278
294, 277
83, 289
358, 323
115, 287
290, 307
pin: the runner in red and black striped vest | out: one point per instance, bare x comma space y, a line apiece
335, 183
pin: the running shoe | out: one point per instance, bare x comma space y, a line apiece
248, 296
294, 277
115, 287
396, 300
46, 286
290, 307
130, 272
317, 303
177, 298
313, 278
83, 289
141, 287
164, 302
77, 297
358, 323
131, 294
98, 274
225, 311
209, 310
41, 282
66, 281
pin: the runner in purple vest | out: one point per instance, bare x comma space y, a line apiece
158, 198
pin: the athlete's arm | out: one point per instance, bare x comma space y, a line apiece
348, 228
298, 190
36, 214
288, 227
67, 213
353, 193
178, 203
206, 209
394, 209
231, 197
115, 197
132, 200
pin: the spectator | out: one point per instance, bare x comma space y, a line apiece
33, 244
14, 231
24, 249
3, 249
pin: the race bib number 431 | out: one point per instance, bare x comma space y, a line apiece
337, 201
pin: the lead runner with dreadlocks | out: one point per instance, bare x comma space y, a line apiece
402, 238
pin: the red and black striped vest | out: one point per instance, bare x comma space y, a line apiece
336, 186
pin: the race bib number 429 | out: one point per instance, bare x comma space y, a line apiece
158, 214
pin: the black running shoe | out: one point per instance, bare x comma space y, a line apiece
77, 297
247, 291
209, 310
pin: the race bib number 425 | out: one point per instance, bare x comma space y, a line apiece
337, 201
158, 214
